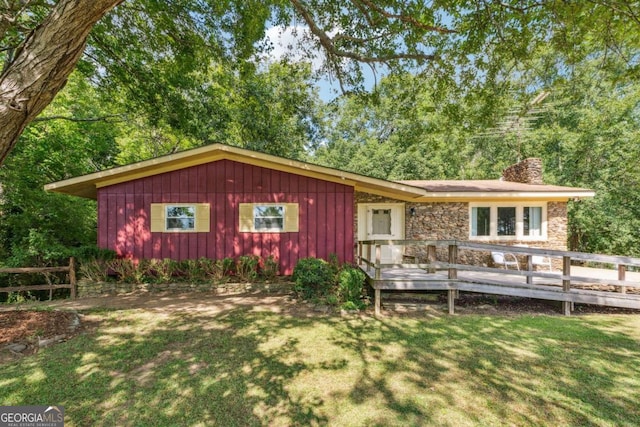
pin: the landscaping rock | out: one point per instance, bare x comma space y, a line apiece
16, 347
320, 308
49, 341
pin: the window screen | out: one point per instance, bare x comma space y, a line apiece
180, 217
268, 218
506, 221
481, 221
532, 221
381, 221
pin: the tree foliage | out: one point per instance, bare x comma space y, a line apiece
456, 41
161, 76
39, 228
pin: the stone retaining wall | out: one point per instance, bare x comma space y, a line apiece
92, 289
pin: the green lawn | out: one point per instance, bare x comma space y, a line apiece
246, 367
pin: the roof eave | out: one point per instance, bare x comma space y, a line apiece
468, 196
87, 185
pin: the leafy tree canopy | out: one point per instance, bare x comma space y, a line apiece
457, 42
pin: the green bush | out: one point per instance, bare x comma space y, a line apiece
270, 267
130, 271
224, 268
163, 269
350, 287
247, 268
195, 270
92, 253
95, 270
314, 278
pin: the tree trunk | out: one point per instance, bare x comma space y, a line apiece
43, 63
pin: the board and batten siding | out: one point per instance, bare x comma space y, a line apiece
325, 215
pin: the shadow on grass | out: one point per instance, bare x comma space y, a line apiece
245, 367
499, 371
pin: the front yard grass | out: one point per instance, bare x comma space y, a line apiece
245, 367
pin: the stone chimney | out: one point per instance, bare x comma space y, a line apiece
528, 171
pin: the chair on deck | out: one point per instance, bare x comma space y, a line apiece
505, 260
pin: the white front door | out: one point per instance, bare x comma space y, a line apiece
382, 221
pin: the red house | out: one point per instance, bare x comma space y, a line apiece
220, 201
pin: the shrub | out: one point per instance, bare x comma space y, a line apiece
129, 271
224, 267
247, 267
334, 263
195, 270
350, 286
95, 270
313, 277
92, 253
163, 269
270, 267
20, 297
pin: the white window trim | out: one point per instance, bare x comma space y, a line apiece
493, 234
270, 230
158, 218
180, 205
291, 218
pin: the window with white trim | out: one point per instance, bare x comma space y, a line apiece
508, 221
180, 217
268, 217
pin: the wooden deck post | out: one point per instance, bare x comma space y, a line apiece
369, 257
431, 258
360, 253
377, 302
451, 299
529, 268
378, 260
453, 259
622, 273
566, 283
72, 277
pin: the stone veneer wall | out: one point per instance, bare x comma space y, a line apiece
450, 221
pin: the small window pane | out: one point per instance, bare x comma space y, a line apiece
381, 221
481, 221
268, 218
532, 221
506, 221
180, 217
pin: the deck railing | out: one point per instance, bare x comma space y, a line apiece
370, 255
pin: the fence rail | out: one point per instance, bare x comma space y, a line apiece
70, 269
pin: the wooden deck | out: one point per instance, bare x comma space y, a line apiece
575, 284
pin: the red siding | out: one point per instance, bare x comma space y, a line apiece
325, 208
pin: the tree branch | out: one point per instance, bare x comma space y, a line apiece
81, 119
43, 63
406, 19
328, 43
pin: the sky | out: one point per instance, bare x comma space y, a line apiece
283, 38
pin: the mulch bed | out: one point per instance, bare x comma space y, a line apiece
22, 325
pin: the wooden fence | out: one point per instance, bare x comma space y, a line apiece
70, 269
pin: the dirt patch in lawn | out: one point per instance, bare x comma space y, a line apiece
22, 325
24, 332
